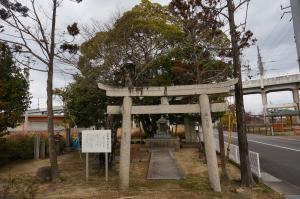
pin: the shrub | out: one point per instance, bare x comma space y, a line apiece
20, 146
4, 152
15, 147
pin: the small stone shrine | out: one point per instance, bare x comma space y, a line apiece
163, 138
163, 128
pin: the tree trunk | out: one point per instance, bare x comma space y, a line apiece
246, 175
224, 175
113, 125
52, 151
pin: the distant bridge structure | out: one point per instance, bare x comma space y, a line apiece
264, 86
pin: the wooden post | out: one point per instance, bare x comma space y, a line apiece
266, 129
106, 167
281, 124
37, 142
209, 141
125, 144
87, 167
291, 118
43, 149
272, 130
68, 139
224, 174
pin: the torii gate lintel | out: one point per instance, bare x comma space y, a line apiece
182, 90
204, 107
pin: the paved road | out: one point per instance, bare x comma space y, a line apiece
279, 156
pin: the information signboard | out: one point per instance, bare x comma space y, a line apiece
96, 141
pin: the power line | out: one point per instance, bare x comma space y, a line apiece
281, 39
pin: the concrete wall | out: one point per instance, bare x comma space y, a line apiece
37, 126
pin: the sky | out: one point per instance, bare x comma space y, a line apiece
275, 38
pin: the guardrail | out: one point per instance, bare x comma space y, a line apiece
234, 156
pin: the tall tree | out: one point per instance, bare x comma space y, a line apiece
155, 46
138, 37
201, 59
218, 13
14, 95
240, 39
26, 30
124, 53
237, 43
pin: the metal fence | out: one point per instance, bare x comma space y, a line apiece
234, 156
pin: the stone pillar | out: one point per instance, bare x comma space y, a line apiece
193, 131
209, 140
43, 149
296, 97
26, 122
189, 130
125, 143
265, 104
37, 142
296, 100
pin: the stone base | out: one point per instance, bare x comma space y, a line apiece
163, 143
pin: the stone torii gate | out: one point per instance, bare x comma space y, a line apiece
204, 107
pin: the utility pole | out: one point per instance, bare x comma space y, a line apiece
295, 5
263, 92
261, 68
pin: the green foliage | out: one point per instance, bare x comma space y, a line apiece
139, 36
85, 103
154, 45
14, 95
15, 148
201, 57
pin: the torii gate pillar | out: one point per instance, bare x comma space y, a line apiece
164, 108
125, 143
210, 151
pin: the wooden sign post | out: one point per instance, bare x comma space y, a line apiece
96, 141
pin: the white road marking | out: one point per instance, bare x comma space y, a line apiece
273, 145
279, 138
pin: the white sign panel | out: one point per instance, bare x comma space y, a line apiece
96, 141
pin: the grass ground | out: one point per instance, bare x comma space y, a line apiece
18, 180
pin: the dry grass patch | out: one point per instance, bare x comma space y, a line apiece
18, 180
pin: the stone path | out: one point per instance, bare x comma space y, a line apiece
163, 165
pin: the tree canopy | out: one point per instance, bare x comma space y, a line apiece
85, 104
14, 95
163, 45
155, 45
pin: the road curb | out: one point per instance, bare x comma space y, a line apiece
283, 188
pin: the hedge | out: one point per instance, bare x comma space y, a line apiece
16, 147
